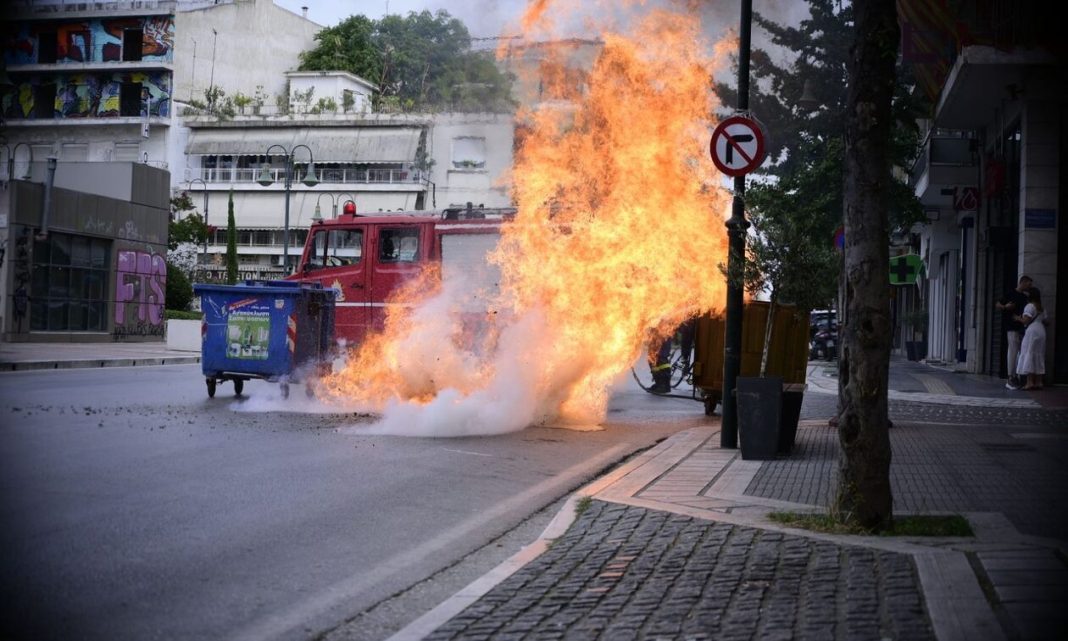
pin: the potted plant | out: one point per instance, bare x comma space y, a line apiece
916, 345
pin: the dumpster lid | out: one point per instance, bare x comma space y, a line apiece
270, 287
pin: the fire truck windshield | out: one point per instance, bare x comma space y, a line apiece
335, 248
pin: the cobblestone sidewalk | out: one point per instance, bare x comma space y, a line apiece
624, 572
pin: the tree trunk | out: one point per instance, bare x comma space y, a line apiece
767, 334
863, 495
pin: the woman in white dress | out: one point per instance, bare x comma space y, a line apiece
1032, 361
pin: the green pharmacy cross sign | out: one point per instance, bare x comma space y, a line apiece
905, 269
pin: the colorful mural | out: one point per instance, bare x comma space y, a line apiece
90, 40
89, 95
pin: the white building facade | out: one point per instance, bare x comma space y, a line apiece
381, 162
990, 179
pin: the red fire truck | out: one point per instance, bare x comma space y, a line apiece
365, 258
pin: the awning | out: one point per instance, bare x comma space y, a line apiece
328, 144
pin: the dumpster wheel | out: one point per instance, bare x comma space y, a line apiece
239, 386
211, 387
285, 390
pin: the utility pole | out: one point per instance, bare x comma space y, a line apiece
736, 230
215, 38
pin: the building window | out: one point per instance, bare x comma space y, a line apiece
468, 152
130, 99
46, 47
69, 287
74, 152
126, 152
44, 101
132, 43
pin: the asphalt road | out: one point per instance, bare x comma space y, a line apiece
133, 507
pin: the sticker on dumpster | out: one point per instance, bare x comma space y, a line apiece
279, 303
248, 332
241, 303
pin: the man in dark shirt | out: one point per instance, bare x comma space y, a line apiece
1011, 305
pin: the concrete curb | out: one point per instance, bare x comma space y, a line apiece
821, 383
17, 366
475, 590
956, 604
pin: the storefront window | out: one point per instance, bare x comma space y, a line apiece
68, 288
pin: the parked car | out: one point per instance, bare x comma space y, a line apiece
823, 335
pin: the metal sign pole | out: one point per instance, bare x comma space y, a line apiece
736, 230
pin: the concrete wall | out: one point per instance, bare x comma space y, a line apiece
257, 43
129, 181
136, 233
330, 85
1039, 199
490, 184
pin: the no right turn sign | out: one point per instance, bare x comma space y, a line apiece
737, 146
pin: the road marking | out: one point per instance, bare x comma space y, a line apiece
293, 621
467, 452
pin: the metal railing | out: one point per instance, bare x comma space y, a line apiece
324, 174
96, 53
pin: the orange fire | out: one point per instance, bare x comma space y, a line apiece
618, 238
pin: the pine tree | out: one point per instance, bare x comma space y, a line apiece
231, 242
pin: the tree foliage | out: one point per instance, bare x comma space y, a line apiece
186, 226
179, 293
231, 242
419, 61
800, 188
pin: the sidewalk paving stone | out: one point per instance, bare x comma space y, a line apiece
624, 572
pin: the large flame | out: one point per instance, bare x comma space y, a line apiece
617, 240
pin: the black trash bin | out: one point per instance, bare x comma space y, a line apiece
791, 414
759, 416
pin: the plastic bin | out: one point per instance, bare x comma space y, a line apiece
279, 331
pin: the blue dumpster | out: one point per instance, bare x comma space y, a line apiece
279, 331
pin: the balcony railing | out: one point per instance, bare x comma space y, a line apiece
946, 148
324, 174
82, 53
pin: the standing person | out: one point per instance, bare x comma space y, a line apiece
1033, 348
1011, 306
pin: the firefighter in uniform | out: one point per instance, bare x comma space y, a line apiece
660, 362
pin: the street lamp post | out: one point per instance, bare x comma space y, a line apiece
11, 151
309, 180
318, 215
736, 230
208, 231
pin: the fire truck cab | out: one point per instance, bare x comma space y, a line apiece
365, 258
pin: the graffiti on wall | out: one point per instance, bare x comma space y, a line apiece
90, 40
140, 283
91, 95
